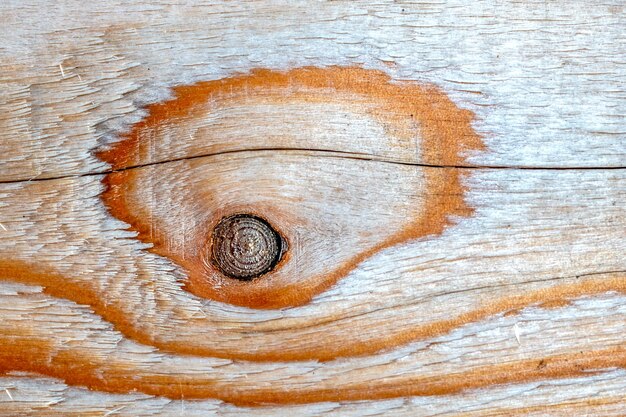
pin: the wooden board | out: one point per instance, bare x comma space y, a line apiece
448, 181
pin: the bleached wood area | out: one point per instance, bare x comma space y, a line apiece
450, 179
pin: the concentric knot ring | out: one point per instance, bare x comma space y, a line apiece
245, 246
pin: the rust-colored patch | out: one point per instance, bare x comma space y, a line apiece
510, 313
445, 134
554, 304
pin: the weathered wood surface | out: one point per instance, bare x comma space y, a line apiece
451, 180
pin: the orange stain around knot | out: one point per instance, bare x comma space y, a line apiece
409, 113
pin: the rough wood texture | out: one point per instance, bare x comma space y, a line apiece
450, 179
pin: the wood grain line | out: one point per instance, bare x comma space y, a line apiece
60, 287
74, 367
593, 395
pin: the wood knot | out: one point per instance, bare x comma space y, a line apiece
241, 151
245, 246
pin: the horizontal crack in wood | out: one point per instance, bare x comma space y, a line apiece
324, 153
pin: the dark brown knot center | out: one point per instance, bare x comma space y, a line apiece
245, 246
